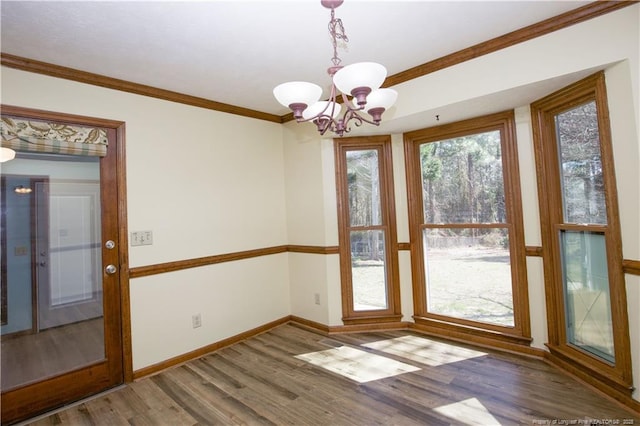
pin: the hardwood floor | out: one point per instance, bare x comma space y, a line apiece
265, 380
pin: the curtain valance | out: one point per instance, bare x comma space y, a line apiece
42, 136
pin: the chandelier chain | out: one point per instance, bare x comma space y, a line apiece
336, 31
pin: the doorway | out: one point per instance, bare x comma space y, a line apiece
65, 330
67, 232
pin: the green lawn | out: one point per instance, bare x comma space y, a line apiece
469, 283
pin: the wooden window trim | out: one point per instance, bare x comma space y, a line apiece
504, 122
382, 144
593, 88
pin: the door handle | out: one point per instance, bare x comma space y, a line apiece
110, 269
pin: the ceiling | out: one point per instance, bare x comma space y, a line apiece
236, 51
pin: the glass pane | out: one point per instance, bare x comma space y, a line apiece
468, 274
52, 218
586, 287
462, 180
364, 188
368, 270
581, 165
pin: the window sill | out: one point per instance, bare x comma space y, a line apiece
470, 334
371, 318
589, 369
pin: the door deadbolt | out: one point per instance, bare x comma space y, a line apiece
110, 244
110, 269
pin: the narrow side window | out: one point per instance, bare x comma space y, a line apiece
366, 220
584, 281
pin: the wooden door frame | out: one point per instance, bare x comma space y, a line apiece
35, 314
118, 183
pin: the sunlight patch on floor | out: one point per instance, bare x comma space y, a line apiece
468, 412
357, 365
424, 351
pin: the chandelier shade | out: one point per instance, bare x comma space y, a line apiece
361, 81
297, 95
380, 100
356, 78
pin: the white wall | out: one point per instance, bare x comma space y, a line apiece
205, 183
313, 221
232, 297
532, 231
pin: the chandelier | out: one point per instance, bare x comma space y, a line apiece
361, 81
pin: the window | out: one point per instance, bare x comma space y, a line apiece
584, 281
367, 233
467, 244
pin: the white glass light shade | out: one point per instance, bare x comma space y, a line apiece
360, 74
319, 107
297, 92
381, 98
6, 154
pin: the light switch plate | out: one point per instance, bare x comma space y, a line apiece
141, 238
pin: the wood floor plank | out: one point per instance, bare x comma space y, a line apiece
319, 392
263, 390
127, 402
202, 412
102, 412
255, 377
170, 415
78, 416
260, 381
226, 406
403, 405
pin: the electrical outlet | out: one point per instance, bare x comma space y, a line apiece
316, 298
196, 320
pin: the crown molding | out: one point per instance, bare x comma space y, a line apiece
52, 70
521, 35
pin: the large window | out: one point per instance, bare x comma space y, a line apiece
584, 281
368, 242
466, 228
